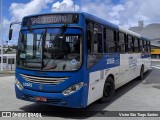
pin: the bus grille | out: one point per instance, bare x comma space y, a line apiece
44, 80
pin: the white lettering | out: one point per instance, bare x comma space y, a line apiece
152, 115
141, 115
123, 114
50, 19
27, 84
110, 61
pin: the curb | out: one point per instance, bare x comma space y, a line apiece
7, 72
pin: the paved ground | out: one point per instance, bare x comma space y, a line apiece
7, 73
134, 96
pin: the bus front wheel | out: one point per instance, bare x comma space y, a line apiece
108, 90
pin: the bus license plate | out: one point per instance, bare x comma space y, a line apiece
41, 99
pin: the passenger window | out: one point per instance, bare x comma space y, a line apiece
110, 43
89, 36
121, 45
146, 46
130, 44
97, 45
94, 44
141, 46
149, 47
136, 45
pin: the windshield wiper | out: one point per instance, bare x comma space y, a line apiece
61, 30
42, 37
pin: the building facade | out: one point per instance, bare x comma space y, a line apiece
9, 59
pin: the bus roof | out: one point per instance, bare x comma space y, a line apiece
98, 20
109, 24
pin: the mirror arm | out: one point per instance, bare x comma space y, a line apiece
10, 29
15, 23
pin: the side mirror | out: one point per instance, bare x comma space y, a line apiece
10, 33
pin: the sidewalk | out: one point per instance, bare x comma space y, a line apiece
7, 73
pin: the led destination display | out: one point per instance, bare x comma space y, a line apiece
51, 19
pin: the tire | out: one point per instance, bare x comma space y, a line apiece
108, 90
141, 76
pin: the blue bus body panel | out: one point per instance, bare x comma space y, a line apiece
73, 78
54, 92
145, 55
56, 99
106, 63
77, 99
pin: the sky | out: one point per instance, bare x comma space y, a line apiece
125, 13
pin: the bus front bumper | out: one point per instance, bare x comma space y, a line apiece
74, 100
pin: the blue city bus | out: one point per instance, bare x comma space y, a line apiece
73, 59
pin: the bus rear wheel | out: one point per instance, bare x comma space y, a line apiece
108, 90
141, 77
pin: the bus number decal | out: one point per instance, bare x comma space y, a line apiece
27, 84
110, 61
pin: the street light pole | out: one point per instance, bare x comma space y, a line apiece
1, 34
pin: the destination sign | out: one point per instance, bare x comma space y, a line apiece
51, 19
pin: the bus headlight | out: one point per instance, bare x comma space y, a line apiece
72, 89
18, 84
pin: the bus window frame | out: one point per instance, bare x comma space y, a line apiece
149, 43
121, 43
92, 22
136, 38
146, 46
115, 40
130, 43
141, 45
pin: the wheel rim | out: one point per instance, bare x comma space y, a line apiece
107, 89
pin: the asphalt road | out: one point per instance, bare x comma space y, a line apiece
135, 96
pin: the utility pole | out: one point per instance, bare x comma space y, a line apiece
1, 34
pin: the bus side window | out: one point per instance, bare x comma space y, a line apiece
141, 46
110, 43
97, 39
94, 44
149, 47
136, 45
121, 45
130, 44
146, 46
89, 36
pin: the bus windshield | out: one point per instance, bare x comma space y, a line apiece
50, 49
